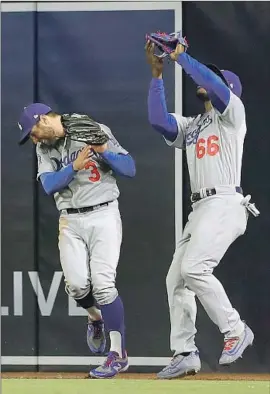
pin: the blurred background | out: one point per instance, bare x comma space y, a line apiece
89, 57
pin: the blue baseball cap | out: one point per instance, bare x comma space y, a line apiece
231, 80
29, 118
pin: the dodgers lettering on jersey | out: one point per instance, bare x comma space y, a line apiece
214, 145
93, 185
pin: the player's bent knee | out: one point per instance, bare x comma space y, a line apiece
105, 295
192, 271
87, 301
76, 291
187, 271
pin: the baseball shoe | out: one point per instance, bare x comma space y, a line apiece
234, 347
181, 366
96, 338
111, 367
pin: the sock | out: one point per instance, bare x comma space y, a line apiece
94, 314
113, 316
116, 343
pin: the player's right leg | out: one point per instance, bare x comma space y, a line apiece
74, 257
218, 222
183, 310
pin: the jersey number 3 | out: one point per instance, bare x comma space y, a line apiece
207, 147
95, 175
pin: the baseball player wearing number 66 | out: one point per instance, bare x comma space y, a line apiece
82, 180
213, 142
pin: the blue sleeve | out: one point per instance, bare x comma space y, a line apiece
158, 115
121, 164
53, 182
218, 92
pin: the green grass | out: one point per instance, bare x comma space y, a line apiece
132, 386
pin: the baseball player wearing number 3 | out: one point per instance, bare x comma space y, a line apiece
82, 180
214, 145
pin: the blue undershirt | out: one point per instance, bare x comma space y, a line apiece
158, 115
121, 164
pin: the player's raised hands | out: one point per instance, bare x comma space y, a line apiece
179, 49
83, 158
155, 62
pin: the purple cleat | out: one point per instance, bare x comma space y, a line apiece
235, 347
96, 338
111, 367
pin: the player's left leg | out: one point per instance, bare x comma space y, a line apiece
183, 311
74, 257
219, 221
105, 238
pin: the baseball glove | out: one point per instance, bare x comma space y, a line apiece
82, 128
166, 43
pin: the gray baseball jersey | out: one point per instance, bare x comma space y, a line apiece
214, 145
93, 185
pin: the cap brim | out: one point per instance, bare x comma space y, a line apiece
217, 71
25, 137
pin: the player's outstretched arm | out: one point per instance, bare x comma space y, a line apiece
218, 92
158, 115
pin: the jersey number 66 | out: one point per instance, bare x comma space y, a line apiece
207, 147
